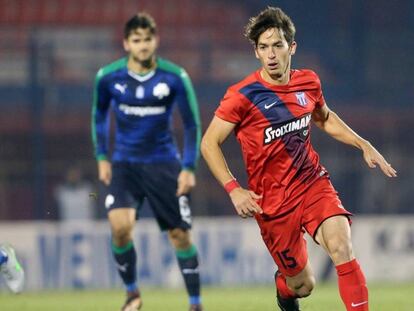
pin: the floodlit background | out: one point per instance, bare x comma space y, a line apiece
50, 51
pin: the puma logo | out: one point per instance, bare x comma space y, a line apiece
121, 87
122, 268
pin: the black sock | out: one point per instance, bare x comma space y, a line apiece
126, 260
188, 263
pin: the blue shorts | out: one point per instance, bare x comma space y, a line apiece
157, 182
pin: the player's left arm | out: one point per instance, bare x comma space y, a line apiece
328, 121
188, 106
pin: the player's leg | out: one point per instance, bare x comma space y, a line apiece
10, 269
299, 285
174, 215
334, 235
122, 221
121, 216
187, 258
328, 223
293, 287
284, 239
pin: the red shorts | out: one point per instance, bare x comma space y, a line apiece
283, 233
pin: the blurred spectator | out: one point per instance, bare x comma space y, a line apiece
75, 197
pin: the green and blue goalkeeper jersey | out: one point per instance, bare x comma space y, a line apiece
143, 106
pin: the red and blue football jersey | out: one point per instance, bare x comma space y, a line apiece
273, 125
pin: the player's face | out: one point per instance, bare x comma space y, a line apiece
274, 53
141, 45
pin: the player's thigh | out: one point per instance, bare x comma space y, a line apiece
327, 221
123, 195
334, 235
321, 202
284, 239
160, 186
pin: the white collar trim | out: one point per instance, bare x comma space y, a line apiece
141, 78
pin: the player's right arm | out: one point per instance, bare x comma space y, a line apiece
100, 127
105, 171
243, 200
332, 124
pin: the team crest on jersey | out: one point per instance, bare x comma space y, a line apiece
139, 92
161, 90
301, 98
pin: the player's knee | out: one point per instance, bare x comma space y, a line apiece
122, 235
304, 292
308, 287
179, 238
305, 288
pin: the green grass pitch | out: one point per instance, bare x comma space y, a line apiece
387, 297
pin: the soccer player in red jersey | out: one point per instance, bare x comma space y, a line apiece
289, 192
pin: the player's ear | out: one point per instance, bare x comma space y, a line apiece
292, 48
126, 45
255, 52
157, 41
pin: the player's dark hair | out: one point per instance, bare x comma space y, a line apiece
141, 20
271, 17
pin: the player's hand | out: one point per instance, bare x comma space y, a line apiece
245, 202
374, 158
105, 171
186, 181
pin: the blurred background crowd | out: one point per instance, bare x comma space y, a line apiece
50, 51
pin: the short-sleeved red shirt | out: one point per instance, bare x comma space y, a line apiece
273, 128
